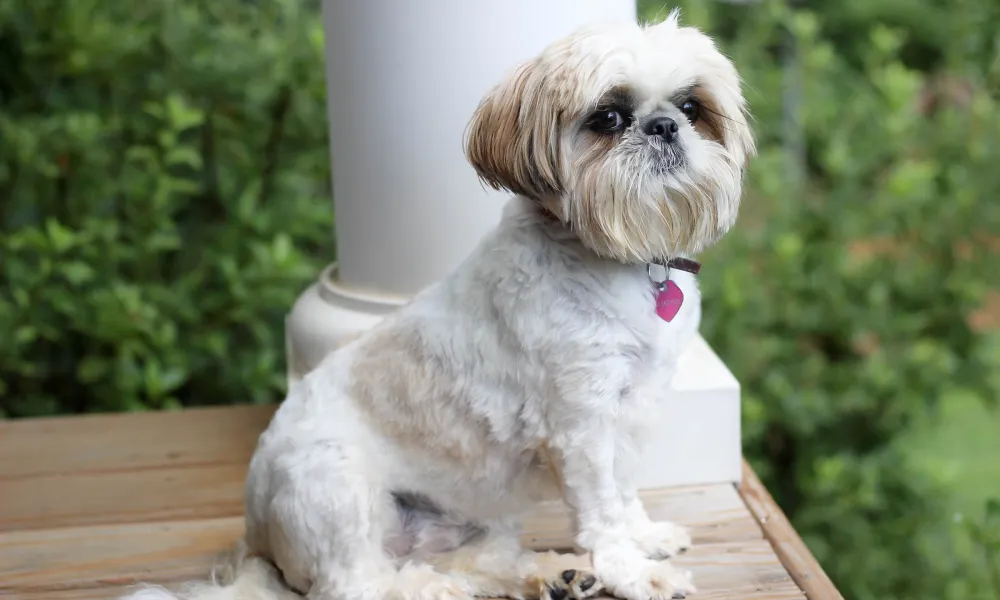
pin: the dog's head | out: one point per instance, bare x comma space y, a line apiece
635, 136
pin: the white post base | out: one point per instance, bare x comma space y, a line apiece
700, 421
326, 316
700, 416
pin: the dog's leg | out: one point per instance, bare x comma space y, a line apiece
325, 523
322, 521
586, 452
657, 539
496, 566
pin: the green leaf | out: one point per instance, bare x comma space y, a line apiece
60, 238
171, 379
77, 272
25, 334
184, 155
145, 154
92, 368
281, 248
182, 116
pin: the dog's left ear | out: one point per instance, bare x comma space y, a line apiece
512, 140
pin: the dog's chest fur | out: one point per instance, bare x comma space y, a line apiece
456, 394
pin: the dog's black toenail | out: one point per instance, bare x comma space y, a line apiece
587, 583
568, 575
680, 595
558, 593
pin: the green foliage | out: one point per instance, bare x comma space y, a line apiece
842, 301
985, 536
163, 199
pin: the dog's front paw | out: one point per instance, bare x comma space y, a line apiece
572, 584
662, 540
633, 577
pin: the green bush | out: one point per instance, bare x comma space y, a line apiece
842, 299
164, 198
984, 534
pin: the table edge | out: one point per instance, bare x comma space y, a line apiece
793, 553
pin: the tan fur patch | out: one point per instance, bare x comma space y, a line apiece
408, 393
712, 121
511, 138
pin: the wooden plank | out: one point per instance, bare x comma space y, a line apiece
193, 466
217, 491
738, 570
719, 575
37, 564
788, 545
126, 468
101, 443
715, 512
92, 504
52, 563
112, 592
125, 497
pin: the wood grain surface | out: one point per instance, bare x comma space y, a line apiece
92, 505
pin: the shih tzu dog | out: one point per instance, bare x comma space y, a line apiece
399, 468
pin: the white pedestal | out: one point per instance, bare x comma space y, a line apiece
700, 421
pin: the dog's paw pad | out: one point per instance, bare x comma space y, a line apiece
571, 585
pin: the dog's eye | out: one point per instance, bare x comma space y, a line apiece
608, 121
691, 110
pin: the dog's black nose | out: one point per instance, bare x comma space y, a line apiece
662, 127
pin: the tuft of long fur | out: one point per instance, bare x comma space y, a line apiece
236, 576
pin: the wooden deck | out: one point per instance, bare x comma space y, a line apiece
90, 505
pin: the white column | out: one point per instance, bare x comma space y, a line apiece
403, 79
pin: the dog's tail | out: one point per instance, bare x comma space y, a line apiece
239, 576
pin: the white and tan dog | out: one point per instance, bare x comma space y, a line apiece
398, 469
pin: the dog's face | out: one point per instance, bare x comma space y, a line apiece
636, 137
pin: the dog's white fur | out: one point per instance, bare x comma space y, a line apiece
400, 466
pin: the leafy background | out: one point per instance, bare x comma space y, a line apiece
164, 197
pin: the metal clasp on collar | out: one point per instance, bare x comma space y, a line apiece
660, 284
682, 264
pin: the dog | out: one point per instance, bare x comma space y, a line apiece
400, 467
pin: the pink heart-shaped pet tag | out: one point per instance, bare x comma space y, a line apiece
668, 301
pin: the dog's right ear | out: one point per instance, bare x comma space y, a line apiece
512, 140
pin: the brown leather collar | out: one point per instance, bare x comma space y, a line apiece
684, 264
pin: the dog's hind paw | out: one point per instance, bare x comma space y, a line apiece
571, 584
